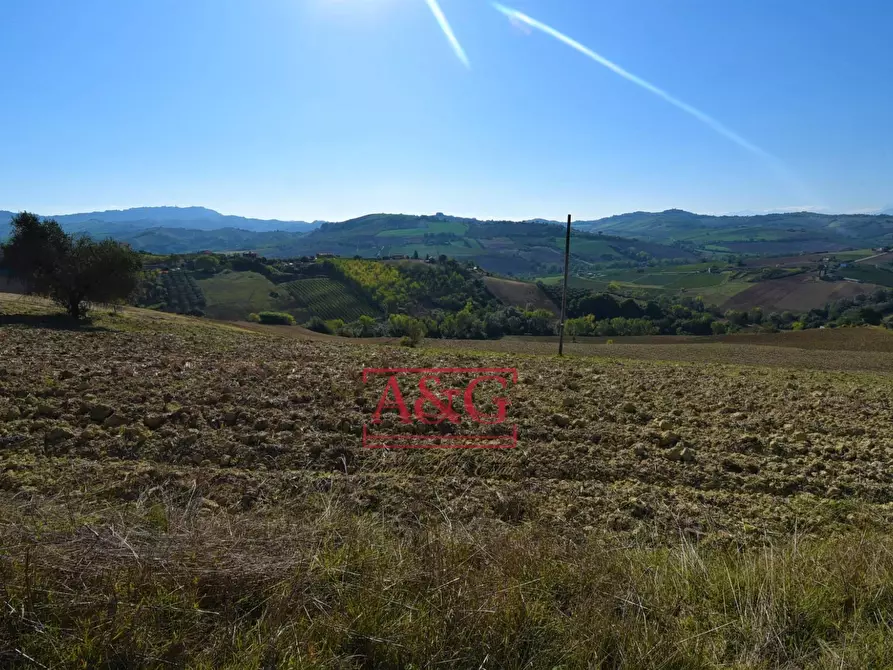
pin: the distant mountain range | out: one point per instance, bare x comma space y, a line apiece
534, 244
118, 221
780, 233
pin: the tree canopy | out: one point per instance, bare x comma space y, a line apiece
72, 271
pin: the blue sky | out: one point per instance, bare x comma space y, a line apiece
328, 109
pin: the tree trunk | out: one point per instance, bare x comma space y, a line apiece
75, 307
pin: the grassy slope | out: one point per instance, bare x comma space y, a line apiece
250, 530
235, 295
232, 296
804, 231
714, 289
525, 295
499, 247
869, 274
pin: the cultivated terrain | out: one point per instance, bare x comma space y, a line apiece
175, 491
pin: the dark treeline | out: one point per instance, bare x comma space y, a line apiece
602, 314
591, 313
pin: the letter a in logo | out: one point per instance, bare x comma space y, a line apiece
397, 403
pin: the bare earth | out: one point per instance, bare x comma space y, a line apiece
255, 418
176, 492
520, 294
798, 293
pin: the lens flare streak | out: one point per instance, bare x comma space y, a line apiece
450, 35
648, 86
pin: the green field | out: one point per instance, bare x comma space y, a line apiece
235, 295
589, 247
853, 255
657, 280
577, 282
455, 250
870, 274
697, 267
743, 235
325, 298
713, 288
432, 227
697, 280
717, 295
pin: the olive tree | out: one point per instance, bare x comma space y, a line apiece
72, 271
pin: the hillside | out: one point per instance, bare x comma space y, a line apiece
762, 234
524, 295
234, 296
798, 293
232, 287
186, 229
448, 299
174, 489
128, 221
510, 248
518, 248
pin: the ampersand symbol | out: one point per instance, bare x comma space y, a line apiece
444, 409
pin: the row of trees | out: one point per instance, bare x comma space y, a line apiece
613, 317
470, 322
74, 272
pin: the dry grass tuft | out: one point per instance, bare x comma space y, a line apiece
165, 584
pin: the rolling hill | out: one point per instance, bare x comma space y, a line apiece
234, 295
779, 233
506, 247
524, 249
118, 222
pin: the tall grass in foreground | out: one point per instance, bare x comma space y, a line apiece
158, 586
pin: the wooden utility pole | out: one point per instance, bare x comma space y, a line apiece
567, 258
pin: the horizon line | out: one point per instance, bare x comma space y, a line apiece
871, 211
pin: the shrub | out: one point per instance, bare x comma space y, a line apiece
365, 326
317, 325
409, 328
277, 318
206, 264
254, 317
